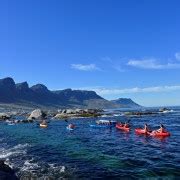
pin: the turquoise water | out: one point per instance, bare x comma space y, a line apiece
90, 152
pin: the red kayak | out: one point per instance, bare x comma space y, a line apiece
160, 134
121, 127
142, 131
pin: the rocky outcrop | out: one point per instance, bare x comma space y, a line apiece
65, 113
6, 173
4, 116
37, 114
138, 113
163, 109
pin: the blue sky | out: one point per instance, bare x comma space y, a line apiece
119, 48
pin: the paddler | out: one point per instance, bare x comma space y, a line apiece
44, 122
146, 129
126, 124
161, 129
71, 126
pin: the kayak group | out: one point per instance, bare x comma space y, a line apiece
161, 132
44, 124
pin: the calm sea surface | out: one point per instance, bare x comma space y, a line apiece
88, 153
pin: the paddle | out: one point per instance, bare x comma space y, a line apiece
66, 121
129, 120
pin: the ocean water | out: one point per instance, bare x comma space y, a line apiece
88, 153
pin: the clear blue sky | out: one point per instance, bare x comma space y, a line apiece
120, 48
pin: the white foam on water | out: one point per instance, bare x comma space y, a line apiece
16, 150
11, 165
32, 168
30, 165
20, 146
104, 115
117, 115
54, 167
63, 169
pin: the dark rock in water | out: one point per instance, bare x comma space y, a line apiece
6, 173
25, 121
4, 116
163, 109
4, 167
140, 113
30, 121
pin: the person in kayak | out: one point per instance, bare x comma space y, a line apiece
161, 129
71, 126
120, 123
44, 122
126, 125
146, 129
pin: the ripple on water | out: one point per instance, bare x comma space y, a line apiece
33, 169
17, 150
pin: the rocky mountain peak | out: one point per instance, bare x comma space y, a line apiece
7, 83
22, 86
40, 88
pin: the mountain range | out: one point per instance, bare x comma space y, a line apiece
126, 103
39, 95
